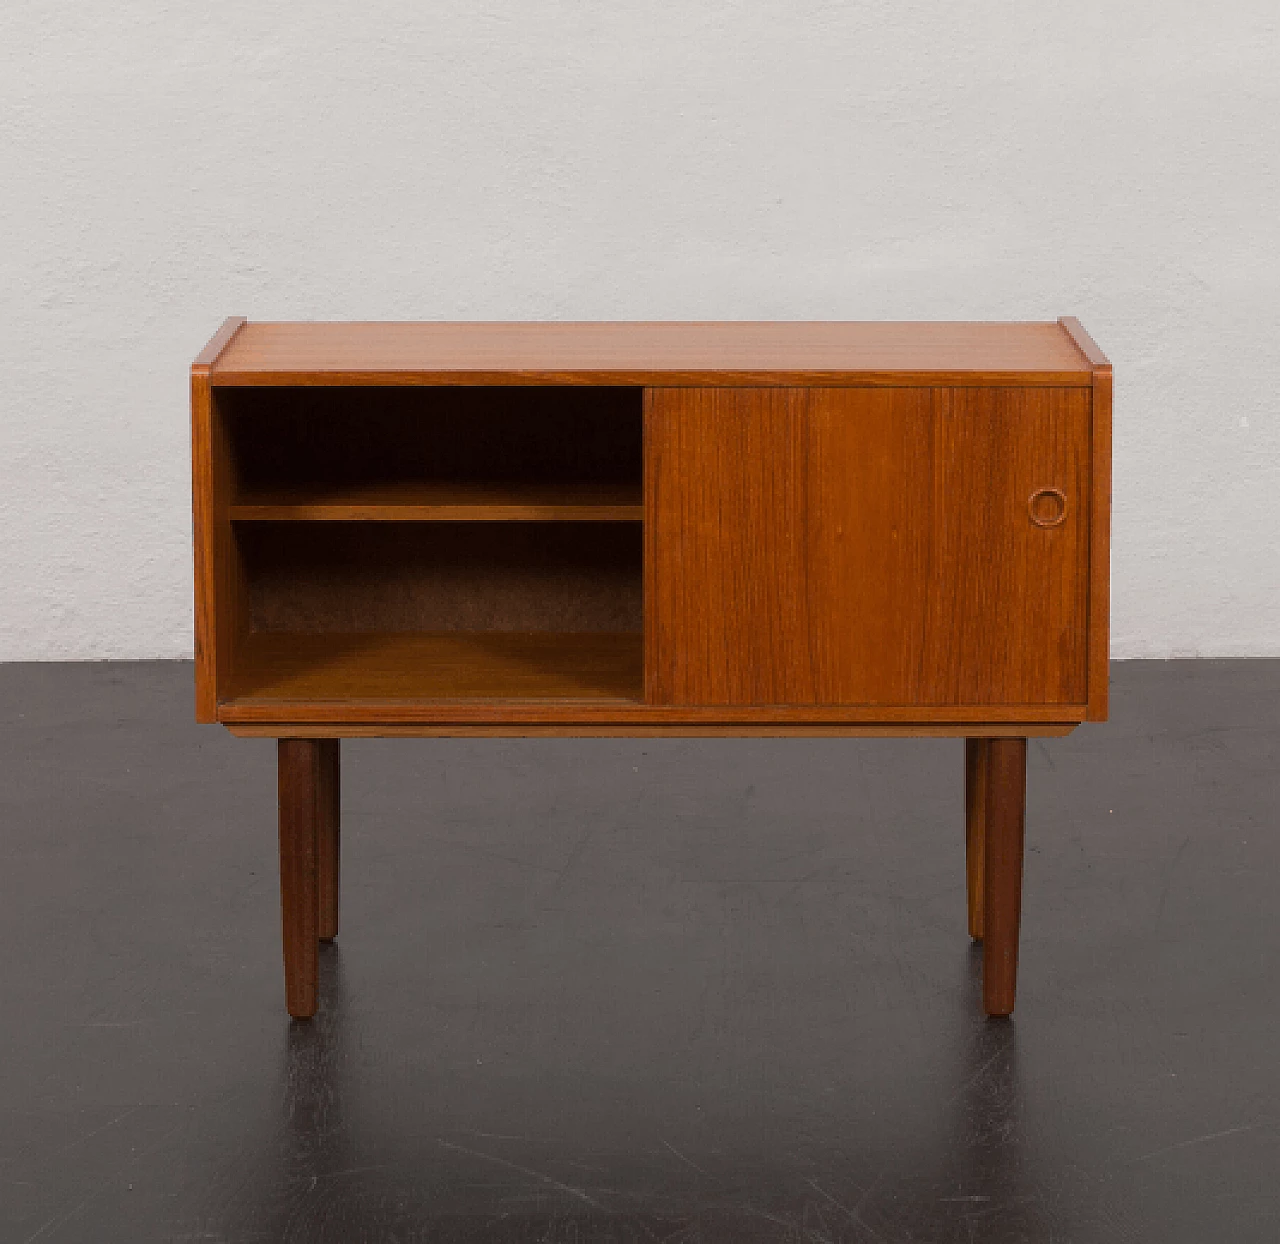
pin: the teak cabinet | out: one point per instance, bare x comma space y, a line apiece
651, 529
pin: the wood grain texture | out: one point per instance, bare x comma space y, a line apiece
221, 598
329, 837
1100, 550
621, 711
300, 669
394, 730
461, 576
977, 755
672, 353
443, 502
859, 547
300, 779
1002, 880
1100, 518
204, 543
506, 678
865, 546
727, 614
219, 606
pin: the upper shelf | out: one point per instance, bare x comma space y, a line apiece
670, 353
443, 502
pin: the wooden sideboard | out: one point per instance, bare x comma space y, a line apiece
815, 529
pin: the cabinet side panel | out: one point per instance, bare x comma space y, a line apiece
726, 614
202, 524
1100, 550
220, 600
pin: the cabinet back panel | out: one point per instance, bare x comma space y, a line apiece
293, 438
367, 577
866, 546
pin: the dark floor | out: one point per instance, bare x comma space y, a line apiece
638, 990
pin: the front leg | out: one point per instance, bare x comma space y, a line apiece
1006, 815
302, 784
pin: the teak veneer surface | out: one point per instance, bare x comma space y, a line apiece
631, 730
789, 352
455, 576
285, 667
866, 546
835, 518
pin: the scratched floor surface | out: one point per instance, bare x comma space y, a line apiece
638, 990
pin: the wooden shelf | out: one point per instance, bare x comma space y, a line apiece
290, 667
443, 502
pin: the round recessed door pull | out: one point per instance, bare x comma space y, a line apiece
1047, 506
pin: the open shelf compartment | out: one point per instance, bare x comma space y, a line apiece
435, 454
390, 668
440, 611
434, 543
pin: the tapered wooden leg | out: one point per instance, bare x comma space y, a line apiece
976, 756
299, 762
1006, 811
329, 837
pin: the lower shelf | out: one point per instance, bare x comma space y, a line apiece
443, 502
288, 667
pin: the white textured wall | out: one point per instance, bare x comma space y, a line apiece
164, 163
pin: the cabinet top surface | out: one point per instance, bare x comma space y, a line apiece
736, 352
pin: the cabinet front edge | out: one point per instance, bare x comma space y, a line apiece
1082, 379
626, 714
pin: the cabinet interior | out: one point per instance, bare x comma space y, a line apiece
423, 543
